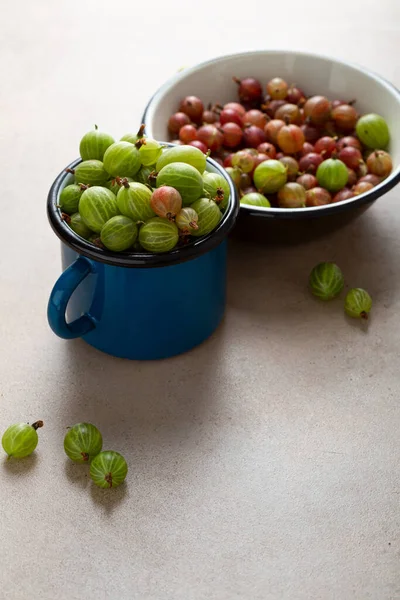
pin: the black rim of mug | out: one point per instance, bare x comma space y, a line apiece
193, 250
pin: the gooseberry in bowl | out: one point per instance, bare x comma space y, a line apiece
332, 174
292, 195
379, 163
373, 131
270, 176
317, 196
255, 199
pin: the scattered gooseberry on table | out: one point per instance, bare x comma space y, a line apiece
82, 442
108, 469
21, 439
326, 281
358, 303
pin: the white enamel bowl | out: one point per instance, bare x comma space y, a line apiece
212, 82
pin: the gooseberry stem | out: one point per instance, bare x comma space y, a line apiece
141, 130
72, 171
220, 196
123, 181
236, 80
37, 424
85, 456
66, 218
141, 142
152, 178
108, 478
363, 314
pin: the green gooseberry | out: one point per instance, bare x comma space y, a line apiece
119, 233
326, 281
21, 439
78, 225
373, 131
94, 144
184, 178
90, 172
358, 303
208, 214
269, 176
149, 151
158, 235
122, 159
332, 174
255, 199
82, 442
96, 206
70, 196
133, 201
234, 173
108, 469
183, 154
217, 187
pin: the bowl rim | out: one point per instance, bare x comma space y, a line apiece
193, 250
288, 213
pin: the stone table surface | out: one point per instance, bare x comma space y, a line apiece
264, 465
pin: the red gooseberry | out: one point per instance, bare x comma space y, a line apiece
229, 115
317, 109
200, 145
272, 129
193, 107
187, 133
268, 149
210, 136
255, 117
345, 117
253, 136
344, 194
317, 197
176, 121
310, 162
249, 89
290, 138
289, 112
308, 181
325, 146
232, 133
350, 156
239, 108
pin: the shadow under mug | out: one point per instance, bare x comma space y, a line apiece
140, 306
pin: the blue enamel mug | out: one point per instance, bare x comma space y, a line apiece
140, 306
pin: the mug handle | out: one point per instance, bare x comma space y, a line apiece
60, 295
